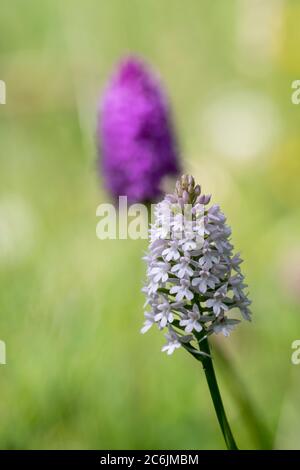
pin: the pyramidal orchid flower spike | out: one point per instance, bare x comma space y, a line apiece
194, 285
194, 281
136, 140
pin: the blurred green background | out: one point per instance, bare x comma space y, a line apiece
78, 373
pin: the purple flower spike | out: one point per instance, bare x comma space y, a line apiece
137, 142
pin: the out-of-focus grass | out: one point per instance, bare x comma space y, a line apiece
78, 373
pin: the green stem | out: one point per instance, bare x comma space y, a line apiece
215, 395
